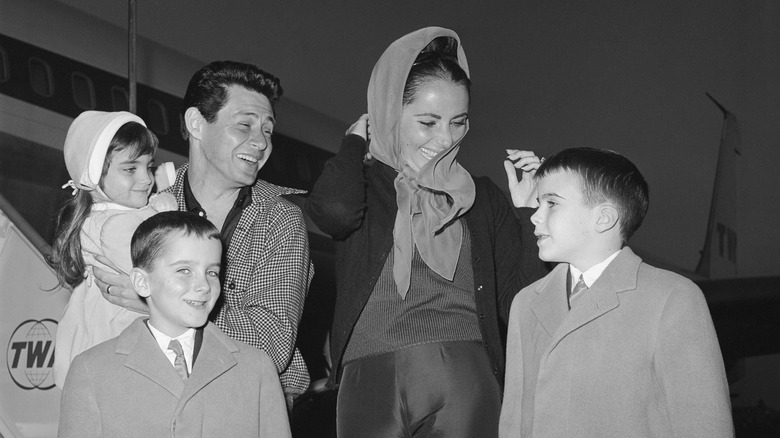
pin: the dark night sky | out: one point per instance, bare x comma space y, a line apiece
627, 76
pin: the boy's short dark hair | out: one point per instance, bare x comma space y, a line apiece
208, 88
151, 236
605, 176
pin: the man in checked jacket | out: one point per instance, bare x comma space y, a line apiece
228, 118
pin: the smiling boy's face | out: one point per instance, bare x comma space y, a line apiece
183, 284
564, 225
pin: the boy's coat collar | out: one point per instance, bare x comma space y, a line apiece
551, 308
147, 359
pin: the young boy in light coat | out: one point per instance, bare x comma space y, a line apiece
629, 352
137, 384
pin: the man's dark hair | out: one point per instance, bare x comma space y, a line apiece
208, 88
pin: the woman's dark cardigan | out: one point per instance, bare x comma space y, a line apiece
356, 205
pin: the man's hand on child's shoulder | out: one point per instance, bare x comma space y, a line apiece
116, 289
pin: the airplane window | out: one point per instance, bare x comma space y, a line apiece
119, 99
158, 118
5, 71
41, 78
83, 91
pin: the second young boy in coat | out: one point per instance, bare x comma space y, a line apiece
606, 345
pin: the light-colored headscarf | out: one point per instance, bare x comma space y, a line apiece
426, 217
86, 145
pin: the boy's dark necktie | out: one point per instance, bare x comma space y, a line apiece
180, 363
577, 290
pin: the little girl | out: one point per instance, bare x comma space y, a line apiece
109, 157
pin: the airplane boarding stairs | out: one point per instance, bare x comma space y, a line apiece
31, 303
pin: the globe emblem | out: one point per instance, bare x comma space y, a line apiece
38, 333
30, 354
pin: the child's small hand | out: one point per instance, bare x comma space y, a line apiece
164, 176
523, 191
163, 202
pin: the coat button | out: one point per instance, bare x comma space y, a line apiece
481, 316
232, 285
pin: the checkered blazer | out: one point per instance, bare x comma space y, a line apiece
267, 276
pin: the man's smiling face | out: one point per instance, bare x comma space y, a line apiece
238, 143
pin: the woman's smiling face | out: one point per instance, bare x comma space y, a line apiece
434, 121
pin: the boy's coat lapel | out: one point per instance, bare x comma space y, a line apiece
219, 360
551, 307
145, 357
598, 300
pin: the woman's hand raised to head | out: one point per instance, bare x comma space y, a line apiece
523, 190
362, 128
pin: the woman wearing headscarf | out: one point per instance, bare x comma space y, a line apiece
428, 258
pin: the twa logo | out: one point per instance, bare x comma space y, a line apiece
30, 354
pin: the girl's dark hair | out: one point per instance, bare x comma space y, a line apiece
438, 60
66, 258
